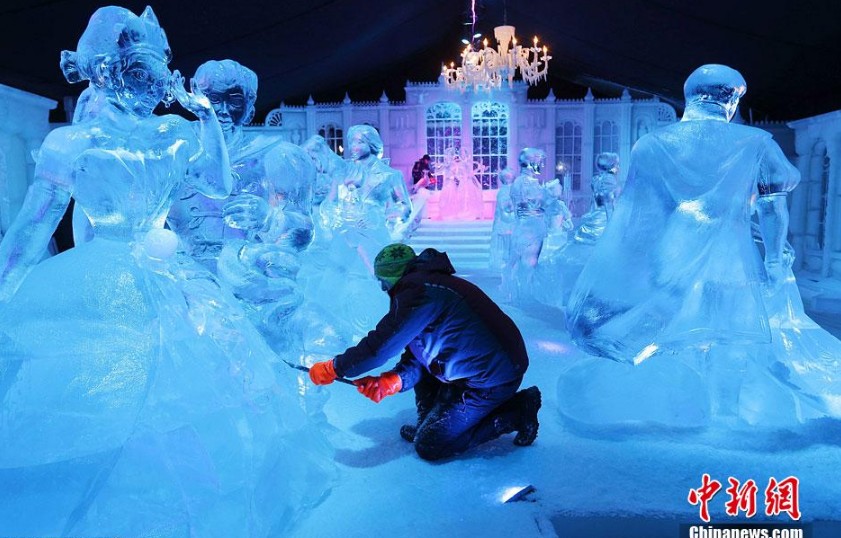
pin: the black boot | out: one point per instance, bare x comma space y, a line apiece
407, 432
426, 392
527, 426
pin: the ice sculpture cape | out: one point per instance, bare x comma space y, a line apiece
677, 266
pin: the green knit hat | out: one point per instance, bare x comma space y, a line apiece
391, 262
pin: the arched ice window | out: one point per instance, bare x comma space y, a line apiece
443, 130
605, 138
490, 140
568, 149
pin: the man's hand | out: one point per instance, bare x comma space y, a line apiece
323, 373
375, 388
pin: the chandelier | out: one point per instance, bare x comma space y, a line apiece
485, 68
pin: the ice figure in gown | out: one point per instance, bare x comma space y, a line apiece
368, 202
461, 192
137, 399
536, 204
252, 238
324, 178
605, 188
330, 171
503, 224
372, 197
559, 269
676, 292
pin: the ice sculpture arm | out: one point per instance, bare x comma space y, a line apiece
287, 225
210, 168
399, 206
772, 211
777, 177
82, 229
30, 233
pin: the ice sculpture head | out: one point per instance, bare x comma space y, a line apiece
364, 140
608, 162
507, 176
713, 91
321, 153
124, 55
232, 90
391, 263
532, 160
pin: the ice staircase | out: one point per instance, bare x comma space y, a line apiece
467, 243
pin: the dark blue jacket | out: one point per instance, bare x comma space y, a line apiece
446, 325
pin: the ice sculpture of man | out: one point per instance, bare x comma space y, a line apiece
675, 284
536, 203
605, 188
250, 238
372, 196
115, 367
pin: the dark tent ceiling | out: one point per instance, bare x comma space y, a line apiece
787, 50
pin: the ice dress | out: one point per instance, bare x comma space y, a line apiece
137, 399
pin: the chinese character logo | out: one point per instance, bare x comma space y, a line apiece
704, 495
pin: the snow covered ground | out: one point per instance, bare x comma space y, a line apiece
588, 483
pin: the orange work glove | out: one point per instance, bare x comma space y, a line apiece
323, 373
375, 388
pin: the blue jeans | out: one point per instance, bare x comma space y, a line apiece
453, 418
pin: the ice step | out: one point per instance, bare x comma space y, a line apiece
467, 243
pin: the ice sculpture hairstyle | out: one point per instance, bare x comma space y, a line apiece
607, 161
370, 136
111, 34
532, 158
229, 74
507, 176
715, 84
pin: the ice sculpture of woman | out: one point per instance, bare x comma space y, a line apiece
605, 190
250, 238
535, 204
503, 225
675, 284
365, 201
461, 193
372, 197
328, 166
137, 401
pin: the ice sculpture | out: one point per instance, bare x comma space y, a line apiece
461, 192
366, 199
503, 224
137, 399
329, 167
251, 238
676, 293
560, 264
537, 207
371, 197
605, 188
